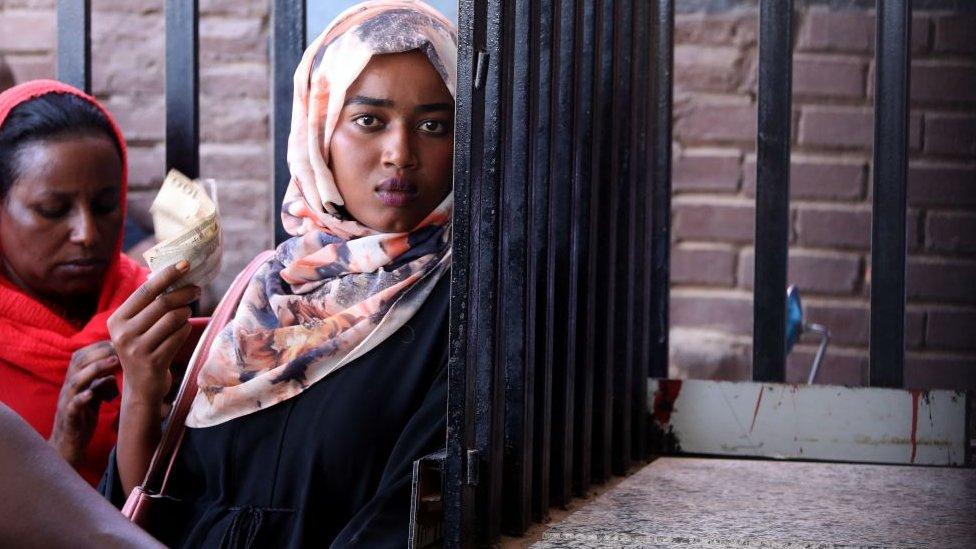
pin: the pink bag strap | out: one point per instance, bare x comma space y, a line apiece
165, 455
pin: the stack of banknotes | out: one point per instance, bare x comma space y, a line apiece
187, 226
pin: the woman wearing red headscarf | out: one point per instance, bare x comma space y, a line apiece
62, 204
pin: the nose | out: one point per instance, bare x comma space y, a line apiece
398, 149
83, 228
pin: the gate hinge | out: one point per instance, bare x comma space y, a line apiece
472, 466
480, 68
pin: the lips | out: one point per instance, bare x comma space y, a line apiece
397, 191
82, 266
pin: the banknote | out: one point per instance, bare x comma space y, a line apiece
187, 225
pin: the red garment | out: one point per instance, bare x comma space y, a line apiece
36, 344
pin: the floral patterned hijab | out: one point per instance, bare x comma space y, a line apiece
337, 288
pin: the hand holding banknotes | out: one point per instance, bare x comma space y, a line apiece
187, 226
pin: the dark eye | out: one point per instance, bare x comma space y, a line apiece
435, 127
367, 121
53, 210
105, 204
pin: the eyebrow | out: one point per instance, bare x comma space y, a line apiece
377, 102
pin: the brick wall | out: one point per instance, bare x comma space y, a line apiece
714, 165
714, 183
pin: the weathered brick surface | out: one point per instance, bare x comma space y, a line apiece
952, 232
955, 33
950, 134
829, 76
703, 264
813, 272
713, 171
847, 127
951, 329
724, 222
706, 170
816, 178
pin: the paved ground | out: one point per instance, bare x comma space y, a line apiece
690, 502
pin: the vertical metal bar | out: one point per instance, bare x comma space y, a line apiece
772, 190
482, 340
540, 119
583, 217
288, 23
519, 372
74, 43
661, 94
602, 236
622, 206
561, 279
638, 272
891, 111
459, 494
182, 87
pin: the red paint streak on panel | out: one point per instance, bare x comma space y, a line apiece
755, 413
915, 398
664, 397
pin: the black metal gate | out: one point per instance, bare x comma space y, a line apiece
559, 308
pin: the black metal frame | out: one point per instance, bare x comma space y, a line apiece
562, 223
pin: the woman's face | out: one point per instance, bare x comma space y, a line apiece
61, 219
393, 146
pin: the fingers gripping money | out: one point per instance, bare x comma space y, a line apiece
187, 224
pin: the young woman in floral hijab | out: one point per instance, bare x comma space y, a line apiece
331, 378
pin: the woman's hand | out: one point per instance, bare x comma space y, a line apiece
89, 381
148, 330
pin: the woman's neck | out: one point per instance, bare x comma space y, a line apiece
77, 310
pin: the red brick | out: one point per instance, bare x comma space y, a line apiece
31, 67
234, 7
816, 179
706, 170
953, 232
838, 367
845, 228
718, 29
951, 329
847, 127
708, 68
252, 162
710, 122
943, 82
722, 222
141, 118
943, 280
235, 121
955, 33
849, 323
850, 31
812, 272
224, 39
703, 264
950, 134
718, 310
237, 80
27, 31
828, 76
941, 185
146, 166
928, 371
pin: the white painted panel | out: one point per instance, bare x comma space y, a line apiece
856, 424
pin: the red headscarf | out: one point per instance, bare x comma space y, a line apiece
36, 343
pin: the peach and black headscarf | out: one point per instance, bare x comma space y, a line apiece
37, 343
337, 288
